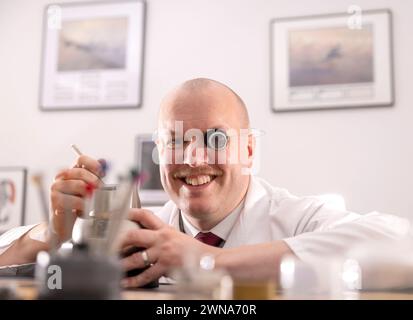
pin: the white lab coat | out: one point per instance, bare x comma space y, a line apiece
309, 226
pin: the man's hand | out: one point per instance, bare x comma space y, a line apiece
165, 246
69, 191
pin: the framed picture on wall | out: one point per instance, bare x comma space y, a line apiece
12, 197
93, 55
151, 191
328, 61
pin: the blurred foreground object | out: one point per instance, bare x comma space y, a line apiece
305, 280
77, 275
254, 290
87, 266
199, 279
380, 266
370, 266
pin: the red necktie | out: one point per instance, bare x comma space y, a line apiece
209, 238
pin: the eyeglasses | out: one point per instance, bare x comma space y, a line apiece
215, 139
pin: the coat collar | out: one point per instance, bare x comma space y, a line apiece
242, 230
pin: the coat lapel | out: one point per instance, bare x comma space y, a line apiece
250, 227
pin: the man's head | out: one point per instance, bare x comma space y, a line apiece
207, 184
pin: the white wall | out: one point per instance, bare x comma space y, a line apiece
364, 154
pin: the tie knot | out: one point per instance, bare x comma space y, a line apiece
209, 238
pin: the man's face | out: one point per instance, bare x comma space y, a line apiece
205, 183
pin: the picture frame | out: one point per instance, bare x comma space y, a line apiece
13, 184
324, 62
93, 55
151, 191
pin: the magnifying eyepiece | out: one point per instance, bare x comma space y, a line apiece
216, 139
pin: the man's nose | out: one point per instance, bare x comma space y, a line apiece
195, 155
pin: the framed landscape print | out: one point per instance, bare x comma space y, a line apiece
12, 197
319, 62
93, 55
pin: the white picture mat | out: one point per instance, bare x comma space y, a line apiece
382, 88
135, 11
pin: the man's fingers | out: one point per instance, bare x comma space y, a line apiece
61, 174
152, 273
146, 218
139, 238
71, 187
136, 261
64, 202
80, 174
90, 164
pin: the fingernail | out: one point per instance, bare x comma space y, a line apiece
103, 166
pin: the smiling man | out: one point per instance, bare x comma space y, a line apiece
206, 150
208, 184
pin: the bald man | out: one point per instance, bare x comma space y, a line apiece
206, 150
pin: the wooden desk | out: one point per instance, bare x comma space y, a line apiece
25, 289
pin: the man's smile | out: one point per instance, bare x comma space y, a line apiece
196, 181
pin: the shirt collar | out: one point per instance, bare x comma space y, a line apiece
222, 229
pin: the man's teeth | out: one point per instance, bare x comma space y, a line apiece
196, 181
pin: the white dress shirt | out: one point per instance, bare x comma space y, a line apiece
222, 229
8, 238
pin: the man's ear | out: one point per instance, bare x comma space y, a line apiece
159, 147
247, 165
